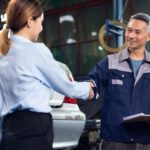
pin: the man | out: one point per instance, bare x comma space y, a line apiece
124, 81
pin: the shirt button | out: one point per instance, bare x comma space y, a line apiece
131, 139
145, 68
122, 75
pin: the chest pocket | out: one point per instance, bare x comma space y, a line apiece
121, 82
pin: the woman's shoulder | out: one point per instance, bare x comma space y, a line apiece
31, 47
40, 49
36, 44
39, 45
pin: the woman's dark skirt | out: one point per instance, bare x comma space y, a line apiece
26, 130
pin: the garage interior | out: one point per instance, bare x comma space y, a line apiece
72, 29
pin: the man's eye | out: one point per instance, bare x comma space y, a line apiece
129, 30
138, 32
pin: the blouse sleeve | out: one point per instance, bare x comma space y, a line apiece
53, 76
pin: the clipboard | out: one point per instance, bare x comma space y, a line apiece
140, 117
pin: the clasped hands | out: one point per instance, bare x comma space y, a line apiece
91, 93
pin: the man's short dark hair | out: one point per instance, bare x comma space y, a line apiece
141, 16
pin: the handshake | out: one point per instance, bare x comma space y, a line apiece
91, 93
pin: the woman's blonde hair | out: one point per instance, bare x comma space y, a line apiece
18, 12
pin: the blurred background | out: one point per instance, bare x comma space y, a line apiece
80, 33
71, 28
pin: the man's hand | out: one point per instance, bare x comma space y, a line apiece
91, 94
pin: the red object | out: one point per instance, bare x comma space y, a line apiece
70, 100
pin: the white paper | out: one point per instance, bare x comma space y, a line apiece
137, 117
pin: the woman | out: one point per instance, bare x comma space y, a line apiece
28, 72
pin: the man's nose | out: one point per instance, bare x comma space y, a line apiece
131, 35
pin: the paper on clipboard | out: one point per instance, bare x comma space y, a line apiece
140, 117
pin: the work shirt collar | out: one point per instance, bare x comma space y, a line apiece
124, 55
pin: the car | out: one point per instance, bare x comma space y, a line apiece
68, 120
90, 138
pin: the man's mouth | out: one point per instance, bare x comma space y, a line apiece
131, 42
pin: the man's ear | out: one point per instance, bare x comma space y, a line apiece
29, 22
